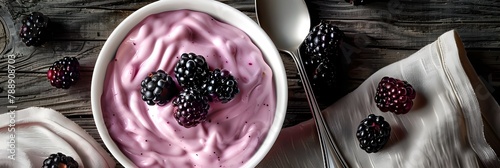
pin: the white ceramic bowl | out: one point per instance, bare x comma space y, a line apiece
219, 11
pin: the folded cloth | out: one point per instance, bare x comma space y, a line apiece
443, 129
30, 135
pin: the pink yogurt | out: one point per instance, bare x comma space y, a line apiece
149, 135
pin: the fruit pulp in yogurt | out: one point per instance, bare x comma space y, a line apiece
149, 135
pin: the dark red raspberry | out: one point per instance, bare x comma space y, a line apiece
373, 133
394, 95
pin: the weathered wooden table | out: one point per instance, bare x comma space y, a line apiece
378, 34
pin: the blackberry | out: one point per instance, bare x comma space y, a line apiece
158, 88
59, 160
394, 95
220, 86
373, 133
324, 77
191, 107
311, 62
323, 42
357, 2
326, 80
191, 70
321, 54
64, 72
35, 29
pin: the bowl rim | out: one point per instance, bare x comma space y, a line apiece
219, 11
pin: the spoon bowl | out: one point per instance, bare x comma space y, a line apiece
293, 20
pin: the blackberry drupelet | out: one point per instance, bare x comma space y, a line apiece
373, 133
59, 160
191, 107
158, 88
394, 95
220, 86
35, 29
64, 72
191, 70
323, 42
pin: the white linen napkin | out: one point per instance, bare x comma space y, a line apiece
29, 136
443, 129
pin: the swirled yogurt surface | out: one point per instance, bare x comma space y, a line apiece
149, 135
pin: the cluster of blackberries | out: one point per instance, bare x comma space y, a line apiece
35, 31
392, 95
198, 84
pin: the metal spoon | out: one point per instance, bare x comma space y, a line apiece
287, 23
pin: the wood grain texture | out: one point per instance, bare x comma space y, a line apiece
377, 34
3, 36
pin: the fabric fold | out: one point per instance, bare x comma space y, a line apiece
30, 135
461, 75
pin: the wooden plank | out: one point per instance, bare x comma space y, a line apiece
91, 20
430, 11
39, 59
33, 89
417, 35
3, 36
78, 20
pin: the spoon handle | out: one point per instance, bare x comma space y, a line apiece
331, 155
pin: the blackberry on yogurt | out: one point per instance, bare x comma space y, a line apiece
191, 107
394, 95
158, 88
373, 133
191, 70
221, 86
